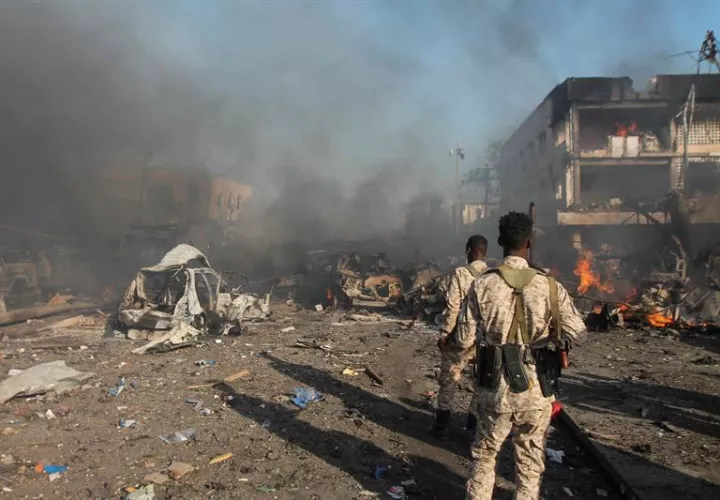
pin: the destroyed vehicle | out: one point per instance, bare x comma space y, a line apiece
21, 278
184, 289
367, 282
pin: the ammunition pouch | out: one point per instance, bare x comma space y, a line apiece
512, 360
515, 358
488, 367
549, 367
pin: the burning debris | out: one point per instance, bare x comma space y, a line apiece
660, 299
184, 297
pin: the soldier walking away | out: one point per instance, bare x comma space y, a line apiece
454, 359
517, 320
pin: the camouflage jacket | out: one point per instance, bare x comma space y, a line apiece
486, 318
460, 283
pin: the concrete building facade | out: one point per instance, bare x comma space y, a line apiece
596, 153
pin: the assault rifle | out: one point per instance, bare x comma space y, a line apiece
564, 359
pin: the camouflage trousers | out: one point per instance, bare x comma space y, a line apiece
529, 430
453, 361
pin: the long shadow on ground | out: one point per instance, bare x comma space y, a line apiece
349, 453
381, 410
682, 408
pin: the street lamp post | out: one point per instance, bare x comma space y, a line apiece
459, 154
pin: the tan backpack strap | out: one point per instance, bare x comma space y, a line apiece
554, 309
475, 273
518, 333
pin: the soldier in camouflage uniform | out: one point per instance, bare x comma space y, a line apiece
487, 317
453, 359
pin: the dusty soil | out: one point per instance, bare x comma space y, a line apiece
333, 448
651, 400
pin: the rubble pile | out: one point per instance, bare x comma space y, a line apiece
661, 299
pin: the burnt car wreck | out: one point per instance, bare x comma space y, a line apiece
183, 297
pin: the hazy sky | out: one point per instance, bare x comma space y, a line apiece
347, 90
397, 76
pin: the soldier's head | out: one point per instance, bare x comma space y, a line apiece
515, 234
476, 248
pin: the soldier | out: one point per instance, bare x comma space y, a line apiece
453, 360
507, 319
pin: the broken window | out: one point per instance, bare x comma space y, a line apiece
650, 125
624, 184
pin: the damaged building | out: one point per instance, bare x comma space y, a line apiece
608, 164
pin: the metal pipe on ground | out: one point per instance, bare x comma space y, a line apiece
20, 315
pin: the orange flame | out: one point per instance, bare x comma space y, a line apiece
625, 130
658, 320
589, 278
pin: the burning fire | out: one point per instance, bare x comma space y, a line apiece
589, 278
624, 131
658, 320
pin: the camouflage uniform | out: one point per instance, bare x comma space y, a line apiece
487, 316
453, 359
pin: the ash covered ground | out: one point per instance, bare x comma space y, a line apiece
648, 398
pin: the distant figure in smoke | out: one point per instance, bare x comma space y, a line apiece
455, 360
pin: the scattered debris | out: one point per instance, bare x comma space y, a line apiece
144, 493
350, 372
397, 492
198, 407
567, 491
221, 458
305, 395
115, 391
555, 455
707, 361
288, 329
228, 379
179, 469
127, 424
601, 493
667, 427
374, 376
380, 470
266, 489
51, 469
315, 344
54, 376
206, 362
643, 448
179, 436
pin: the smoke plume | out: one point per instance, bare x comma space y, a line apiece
336, 113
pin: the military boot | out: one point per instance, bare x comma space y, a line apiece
442, 422
471, 425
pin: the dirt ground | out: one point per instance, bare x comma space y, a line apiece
333, 448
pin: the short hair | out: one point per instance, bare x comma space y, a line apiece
515, 230
477, 243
